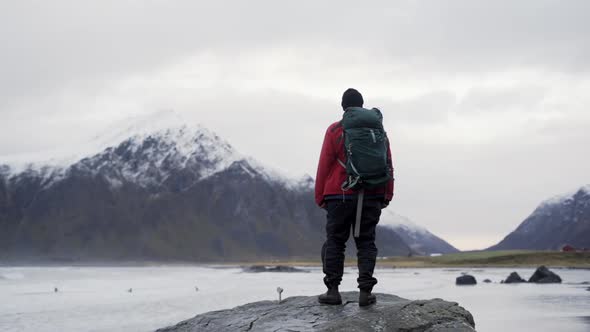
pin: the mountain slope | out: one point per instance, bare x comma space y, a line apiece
176, 193
417, 237
555, 222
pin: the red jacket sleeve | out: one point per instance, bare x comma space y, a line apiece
390, 186
327, 158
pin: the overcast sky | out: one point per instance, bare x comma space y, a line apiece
485, 103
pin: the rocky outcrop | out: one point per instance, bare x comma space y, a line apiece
544, 276
514, 278
304, 313
277, 268
466, 280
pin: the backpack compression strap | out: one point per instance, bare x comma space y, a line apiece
359, 211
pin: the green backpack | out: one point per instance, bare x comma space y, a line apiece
365, 145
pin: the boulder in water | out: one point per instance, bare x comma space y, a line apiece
304, 313
466, 280
487, 281
514, 278
544, 276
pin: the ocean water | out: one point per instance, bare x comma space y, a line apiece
99, 298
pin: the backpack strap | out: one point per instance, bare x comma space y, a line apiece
350, 183
359, 211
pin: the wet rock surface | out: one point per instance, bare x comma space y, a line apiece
514, 278
277, 268
544, 276
466, 280
304, 313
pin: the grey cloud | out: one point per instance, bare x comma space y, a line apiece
49, 44
430, 108
503, 99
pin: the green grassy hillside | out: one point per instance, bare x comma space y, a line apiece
509, 258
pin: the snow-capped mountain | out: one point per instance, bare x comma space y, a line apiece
416, 236
177, 192
156, 159
561, 220
160, 150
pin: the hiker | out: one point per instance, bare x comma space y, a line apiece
354, 182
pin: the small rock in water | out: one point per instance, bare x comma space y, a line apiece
196, 289
487, 281
130, 290
277, 268
544, 276
514, 278
466, 280
55, 290
588, 289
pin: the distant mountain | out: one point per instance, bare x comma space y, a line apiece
561, 220
173, 193
417, 237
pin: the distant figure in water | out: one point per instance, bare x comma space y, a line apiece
354, 182
196, 289
55, 290
130, 290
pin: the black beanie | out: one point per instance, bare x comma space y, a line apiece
352, 97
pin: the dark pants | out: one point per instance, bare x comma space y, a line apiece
341, 217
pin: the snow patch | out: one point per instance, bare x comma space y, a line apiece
564, 198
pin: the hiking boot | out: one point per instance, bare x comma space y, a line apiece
332, 296
366, 298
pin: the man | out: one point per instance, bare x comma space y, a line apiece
333, 194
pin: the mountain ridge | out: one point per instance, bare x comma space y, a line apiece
555, 222
417, 237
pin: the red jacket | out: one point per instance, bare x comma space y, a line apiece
331, 174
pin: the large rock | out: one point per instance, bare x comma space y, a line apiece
466, 280
544, 276
304, 313
514, 278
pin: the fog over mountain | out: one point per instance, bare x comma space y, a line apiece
417, 237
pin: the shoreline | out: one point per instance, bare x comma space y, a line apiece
487, 259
